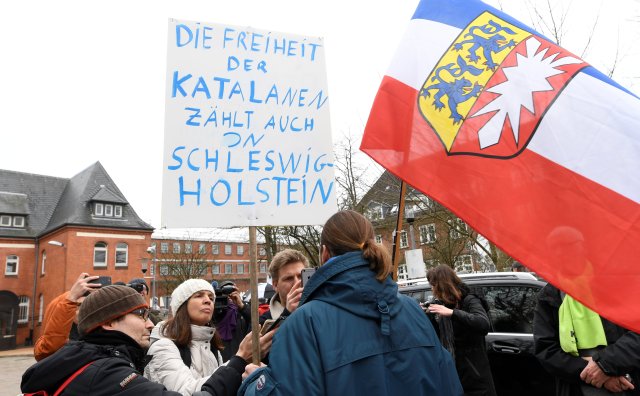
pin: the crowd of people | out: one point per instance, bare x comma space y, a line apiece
347, 332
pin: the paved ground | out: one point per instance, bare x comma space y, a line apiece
11, 369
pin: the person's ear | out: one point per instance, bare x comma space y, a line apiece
110, 325
325, 254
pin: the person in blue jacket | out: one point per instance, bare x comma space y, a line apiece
353, 333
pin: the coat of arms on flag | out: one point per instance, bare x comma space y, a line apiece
524, 141
489, 90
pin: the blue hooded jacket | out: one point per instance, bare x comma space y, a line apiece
354, 335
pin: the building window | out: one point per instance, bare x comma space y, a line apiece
215, 249
41, 312
240, 268
18, 221
263, 267
215, 269
240, 250
176, 247
263, 251
378, 238
464, 263
12, 265
188, 249
228, 268
122, 254
164, 270
456, 227
404, 241
202, 249
117, 210
44, 262
5, 221
98, 209
164, 247
100, 254
427, 233
227, 249
23, 309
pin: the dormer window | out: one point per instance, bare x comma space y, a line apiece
12, 221
101, 209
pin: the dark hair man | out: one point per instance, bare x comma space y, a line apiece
114, 327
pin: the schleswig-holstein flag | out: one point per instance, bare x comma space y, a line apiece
522, 139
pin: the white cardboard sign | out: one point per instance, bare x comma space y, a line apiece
247, 128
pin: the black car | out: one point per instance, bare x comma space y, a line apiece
512, 298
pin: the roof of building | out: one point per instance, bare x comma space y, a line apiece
53, 202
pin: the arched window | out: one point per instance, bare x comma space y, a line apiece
41, 312
122, 254
100, 254
44, 262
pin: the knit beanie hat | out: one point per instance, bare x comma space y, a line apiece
107, 304
186, 289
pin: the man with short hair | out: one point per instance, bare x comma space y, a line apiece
285, 270
114, 326
58, 324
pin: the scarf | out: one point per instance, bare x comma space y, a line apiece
227, 325
579, 327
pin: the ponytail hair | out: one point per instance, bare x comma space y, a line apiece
348, 231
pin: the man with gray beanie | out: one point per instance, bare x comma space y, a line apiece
109, 358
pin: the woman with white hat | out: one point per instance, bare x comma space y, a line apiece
187, 352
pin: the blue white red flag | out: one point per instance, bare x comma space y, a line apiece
525, 141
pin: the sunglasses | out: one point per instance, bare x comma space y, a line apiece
142, 313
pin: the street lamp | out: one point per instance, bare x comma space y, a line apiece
152, 250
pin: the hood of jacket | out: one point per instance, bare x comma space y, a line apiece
48, 374
347, 282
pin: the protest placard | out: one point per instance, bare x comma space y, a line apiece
247, 128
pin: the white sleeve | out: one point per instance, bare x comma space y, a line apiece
167, 368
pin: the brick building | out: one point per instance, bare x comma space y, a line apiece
442, 237
211, 254
52, 229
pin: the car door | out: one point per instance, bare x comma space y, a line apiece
510, 348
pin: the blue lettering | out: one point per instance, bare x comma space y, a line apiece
196, 114
177, 84
267, 158
229, 168
261, 191
253, 161
240, 201
209, 160
320, 186
183, 192
189, 163
179, 29
177, 158
212, 193
291, 190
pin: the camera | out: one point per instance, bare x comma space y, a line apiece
222, 296
139, 287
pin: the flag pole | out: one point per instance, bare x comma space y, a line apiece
395, 256
253, 274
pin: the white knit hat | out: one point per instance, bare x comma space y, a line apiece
187, 289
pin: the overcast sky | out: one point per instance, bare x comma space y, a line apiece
84, 81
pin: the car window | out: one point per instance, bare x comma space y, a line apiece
511, 307
419, 295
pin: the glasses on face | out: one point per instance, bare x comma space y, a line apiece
142, 313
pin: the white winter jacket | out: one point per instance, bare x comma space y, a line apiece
167, 368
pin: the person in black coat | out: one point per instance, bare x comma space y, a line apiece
620, 357
462, 322
232, 320
114, 326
